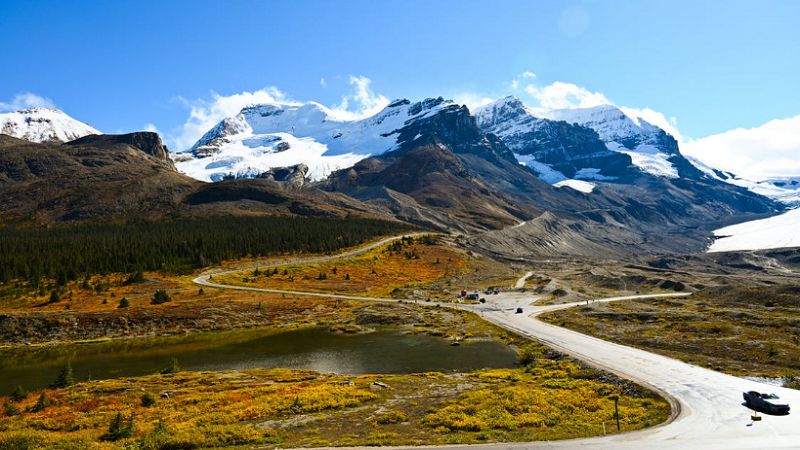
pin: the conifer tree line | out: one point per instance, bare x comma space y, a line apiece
68, 252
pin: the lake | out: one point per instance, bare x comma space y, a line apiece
387, 350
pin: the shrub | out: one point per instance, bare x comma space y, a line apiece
148, 400
19, 394
54, 297
393, 417
160, 297
528, 354
10, 409
124, 303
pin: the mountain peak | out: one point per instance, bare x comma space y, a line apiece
43, 125
270, 135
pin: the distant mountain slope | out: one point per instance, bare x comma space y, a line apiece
454, 167
597, 143
128, 177
43, 125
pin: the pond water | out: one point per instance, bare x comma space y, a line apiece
381, 352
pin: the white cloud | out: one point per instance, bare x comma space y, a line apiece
366, 102
150, 127
473, 101
323, 83
203, 114
560, 95
769, 150
26, 100
528, 74
655, 118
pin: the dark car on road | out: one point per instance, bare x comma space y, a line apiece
765, 402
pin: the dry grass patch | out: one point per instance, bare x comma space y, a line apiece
384, 272
737, 338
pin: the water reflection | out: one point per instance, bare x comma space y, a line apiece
381, 352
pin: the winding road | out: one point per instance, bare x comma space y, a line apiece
708, 407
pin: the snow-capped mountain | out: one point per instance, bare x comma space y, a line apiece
784, 189
43, 125
279, 134
547, 139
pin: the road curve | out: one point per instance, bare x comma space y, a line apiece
708, 406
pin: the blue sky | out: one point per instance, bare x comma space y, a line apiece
121, 66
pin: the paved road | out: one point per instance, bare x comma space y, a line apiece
708, 406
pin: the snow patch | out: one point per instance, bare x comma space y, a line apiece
545, 171
655, 164
774, 232
578, 185
592, 174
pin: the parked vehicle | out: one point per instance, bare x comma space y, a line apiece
765, 402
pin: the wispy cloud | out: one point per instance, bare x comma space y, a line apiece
670, 125
563, 95
204, 114
323, 83
472, 100
560, 95
361, 101
768, 150
26, 100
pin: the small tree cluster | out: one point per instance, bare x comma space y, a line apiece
136, 277
160, 297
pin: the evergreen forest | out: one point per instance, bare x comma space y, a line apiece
67, 252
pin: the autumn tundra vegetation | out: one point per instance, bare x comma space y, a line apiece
546, 397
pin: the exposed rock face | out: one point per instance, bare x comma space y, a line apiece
292, 176
220, 135
130, 177
568, 148
453, 172
146, 141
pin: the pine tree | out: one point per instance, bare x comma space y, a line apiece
173, 367
124, 303
42, 403
118, 429
64, 378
